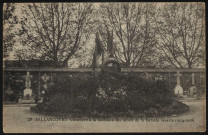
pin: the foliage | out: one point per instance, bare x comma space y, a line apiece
10, 20
161, 35
182, 32
108, 94
133, 34
56, 31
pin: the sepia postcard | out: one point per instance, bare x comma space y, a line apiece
104, 67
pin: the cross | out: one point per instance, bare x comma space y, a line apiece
178, 77
45, 78
28, 76
192, 78
28, 82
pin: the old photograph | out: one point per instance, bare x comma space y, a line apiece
110, 67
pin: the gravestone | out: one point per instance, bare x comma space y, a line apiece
45, 78
193, 88
178, 90
9, 90
27, 93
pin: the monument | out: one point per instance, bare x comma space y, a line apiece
45, 78
193, 88
178, 89
27, 93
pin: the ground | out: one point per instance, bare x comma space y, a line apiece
16, 118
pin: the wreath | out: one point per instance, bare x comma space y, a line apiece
114, 68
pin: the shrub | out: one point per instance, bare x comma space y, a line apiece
110, 93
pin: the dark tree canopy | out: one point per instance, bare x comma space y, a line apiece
57, 31
181, 31
156, 34
9, 21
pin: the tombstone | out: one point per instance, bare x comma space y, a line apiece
178, 90
45, 78
27, 94
193, 88
202, 81
9, 90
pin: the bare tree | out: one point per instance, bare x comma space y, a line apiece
131, 25
181, 31
57, 30
9, 21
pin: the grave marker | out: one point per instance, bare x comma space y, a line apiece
45, 78
27, 91
193, 88
178, 89
193, 81
9, 89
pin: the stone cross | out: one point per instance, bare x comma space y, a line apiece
45, 79
27, 90
178, 77
192, 79
28, 82
178, 89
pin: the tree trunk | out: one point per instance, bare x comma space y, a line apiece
128, 63
189, 65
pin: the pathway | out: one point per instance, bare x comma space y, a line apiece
16, 120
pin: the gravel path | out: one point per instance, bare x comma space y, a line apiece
18, 119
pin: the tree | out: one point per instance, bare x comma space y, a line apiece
9, 21
132, 28
56, 31
181, 28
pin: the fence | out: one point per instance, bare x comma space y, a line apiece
14, 79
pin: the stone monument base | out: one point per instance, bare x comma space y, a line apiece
178, 90
25, 100
27, 92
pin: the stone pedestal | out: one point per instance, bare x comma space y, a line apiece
30, 101
27, 93
178, 90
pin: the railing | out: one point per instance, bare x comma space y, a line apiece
17, 79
